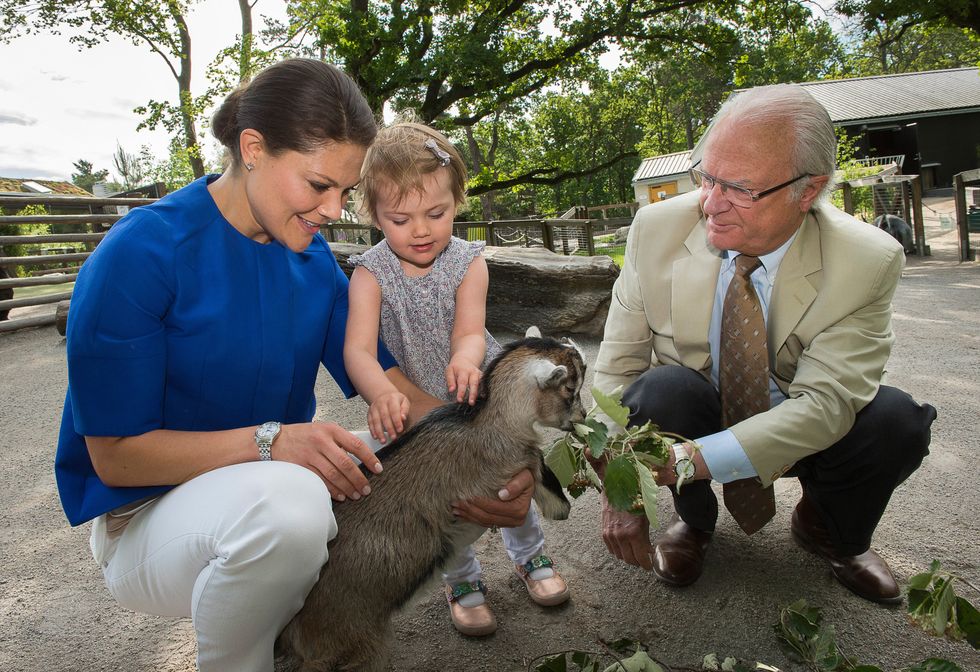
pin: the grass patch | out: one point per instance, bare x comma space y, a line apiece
41, 290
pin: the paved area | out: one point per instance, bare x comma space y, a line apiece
56, 615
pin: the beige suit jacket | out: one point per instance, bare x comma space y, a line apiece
829, 325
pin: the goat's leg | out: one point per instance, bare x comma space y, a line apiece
549, 495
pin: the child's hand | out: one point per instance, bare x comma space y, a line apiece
460, 375
387, 415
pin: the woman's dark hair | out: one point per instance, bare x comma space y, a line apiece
298, 104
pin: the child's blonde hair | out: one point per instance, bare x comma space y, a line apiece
401, 157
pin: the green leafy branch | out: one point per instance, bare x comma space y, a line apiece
935, 607
631, 455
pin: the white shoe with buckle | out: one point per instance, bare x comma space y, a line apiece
548, 590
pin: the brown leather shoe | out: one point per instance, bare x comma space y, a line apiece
678, 552
866, 575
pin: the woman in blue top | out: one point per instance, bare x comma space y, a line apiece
196, 331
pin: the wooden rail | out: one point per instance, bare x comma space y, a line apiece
43, 270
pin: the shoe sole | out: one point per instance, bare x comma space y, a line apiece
674, 582
553, 601
809, 547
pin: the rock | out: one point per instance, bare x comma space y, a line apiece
621, 234
559, 294
534, 286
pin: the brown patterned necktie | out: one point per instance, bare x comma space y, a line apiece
743, 380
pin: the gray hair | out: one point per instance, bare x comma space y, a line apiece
814, 149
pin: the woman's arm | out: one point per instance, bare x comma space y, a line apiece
389, 407
468, 344
169, 457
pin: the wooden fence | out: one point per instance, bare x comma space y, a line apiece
967, 217
53, 259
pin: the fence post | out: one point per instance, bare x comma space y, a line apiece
962, 226
491, 234
848, 198
546, 235
590, 241
921, 248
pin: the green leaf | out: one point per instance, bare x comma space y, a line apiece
611, 406
582, 430
921, 581
561, 461
621, 483
934, 665
945, 599
968, 620
555, 663
866, 668
920, 601
598, 434
638, 662
648, 490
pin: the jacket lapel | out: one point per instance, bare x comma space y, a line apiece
793, 292
693, 284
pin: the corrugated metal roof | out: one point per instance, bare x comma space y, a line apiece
661, 166
887, 96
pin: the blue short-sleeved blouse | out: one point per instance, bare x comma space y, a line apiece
178, 321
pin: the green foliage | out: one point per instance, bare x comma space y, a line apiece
87, 176
934, 606
628, 482
628, 656
801, 632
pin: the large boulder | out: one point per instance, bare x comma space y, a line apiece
534, 286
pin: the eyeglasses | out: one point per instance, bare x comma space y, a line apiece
736, 195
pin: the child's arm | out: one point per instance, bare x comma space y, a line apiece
388, 407
468, 345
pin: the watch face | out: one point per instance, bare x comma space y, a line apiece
684, 468
267, 431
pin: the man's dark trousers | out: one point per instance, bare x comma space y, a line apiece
849, 483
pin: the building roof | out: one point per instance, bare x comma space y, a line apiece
889, 97
663, 166
16, 185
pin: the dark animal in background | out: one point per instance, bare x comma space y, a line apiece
898, 229
392, 542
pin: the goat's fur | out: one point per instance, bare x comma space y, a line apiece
393, 541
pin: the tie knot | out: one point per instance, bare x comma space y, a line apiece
745, 265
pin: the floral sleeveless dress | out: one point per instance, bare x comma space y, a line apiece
417, 314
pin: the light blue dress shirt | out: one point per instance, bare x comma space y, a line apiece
722, 453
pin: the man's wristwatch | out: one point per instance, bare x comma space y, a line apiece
264, 436
684, 466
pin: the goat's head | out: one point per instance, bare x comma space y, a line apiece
541, 378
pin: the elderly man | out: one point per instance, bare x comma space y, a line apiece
755, 319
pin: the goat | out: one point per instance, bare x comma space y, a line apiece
395, 540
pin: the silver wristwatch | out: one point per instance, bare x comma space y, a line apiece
684, 467
264, 436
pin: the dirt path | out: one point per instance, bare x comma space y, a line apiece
56, 614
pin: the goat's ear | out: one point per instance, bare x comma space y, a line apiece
572, 344
547, 373
532, 332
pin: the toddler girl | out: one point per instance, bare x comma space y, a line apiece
426, 291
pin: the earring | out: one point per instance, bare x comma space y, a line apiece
249, 167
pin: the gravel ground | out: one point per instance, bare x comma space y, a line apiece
56, 614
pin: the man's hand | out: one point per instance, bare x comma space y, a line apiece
509, 510
627, 536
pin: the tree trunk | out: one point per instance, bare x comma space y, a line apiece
245, 55
186, 98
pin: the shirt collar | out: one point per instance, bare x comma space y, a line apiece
770, 261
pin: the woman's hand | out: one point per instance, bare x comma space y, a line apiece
325, 448
462, 374
387, 415
508, 510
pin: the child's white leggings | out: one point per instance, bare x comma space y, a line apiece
237, 549
522, 543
